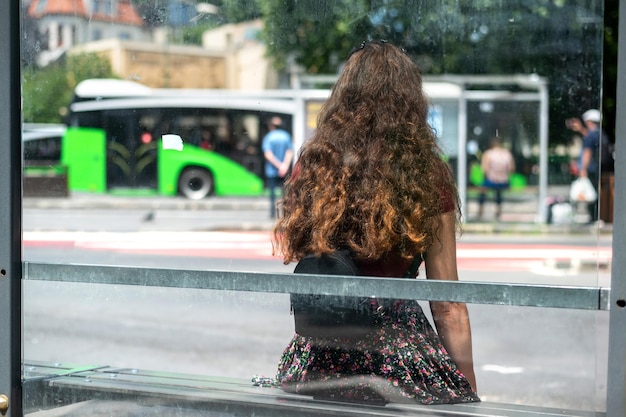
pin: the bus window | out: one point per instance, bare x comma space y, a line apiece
130, 161
45, 149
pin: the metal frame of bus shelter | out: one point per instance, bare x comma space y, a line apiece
530, 82
10, 210
616, 384
10, 225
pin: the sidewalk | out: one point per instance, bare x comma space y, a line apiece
519, 211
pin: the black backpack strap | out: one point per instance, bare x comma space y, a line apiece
414, 267
337, 263
341, 263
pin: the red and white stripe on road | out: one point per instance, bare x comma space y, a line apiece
207, 244
257, 245
480, 256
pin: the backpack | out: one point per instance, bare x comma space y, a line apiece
329, 316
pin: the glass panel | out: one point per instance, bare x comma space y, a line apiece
143, 146
238, 335
219, 333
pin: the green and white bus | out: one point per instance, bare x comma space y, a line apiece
114, 139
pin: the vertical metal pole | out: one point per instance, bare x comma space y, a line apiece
616, 386
462, 167
10, 209
542, 212
299, 121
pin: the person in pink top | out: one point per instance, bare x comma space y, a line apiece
497, 164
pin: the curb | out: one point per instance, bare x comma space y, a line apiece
519, 222
139, 203
517, 228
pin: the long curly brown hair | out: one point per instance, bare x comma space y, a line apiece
372, 178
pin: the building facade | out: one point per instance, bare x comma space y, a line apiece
231, 56
66, 23
161, 65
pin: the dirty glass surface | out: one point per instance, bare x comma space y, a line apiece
156, 162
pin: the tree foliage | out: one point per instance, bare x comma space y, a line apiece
314, 35
478, 37
557, 39
47, 92
235, 11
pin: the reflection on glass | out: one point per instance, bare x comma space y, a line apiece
200, 332
100, 189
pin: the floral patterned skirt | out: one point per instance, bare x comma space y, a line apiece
401, 360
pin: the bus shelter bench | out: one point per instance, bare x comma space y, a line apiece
66, 390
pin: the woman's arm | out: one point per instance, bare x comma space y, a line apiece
451, 318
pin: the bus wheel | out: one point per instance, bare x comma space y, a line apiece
195, 183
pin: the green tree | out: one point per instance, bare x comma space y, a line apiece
47, 92
192, 35
557, 39
42, 92
235, 11
315, 35
482, 36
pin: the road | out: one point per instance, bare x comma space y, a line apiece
546, 357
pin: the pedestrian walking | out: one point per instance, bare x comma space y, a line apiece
497, 164
278, 152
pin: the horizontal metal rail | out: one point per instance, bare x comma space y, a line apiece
550, 296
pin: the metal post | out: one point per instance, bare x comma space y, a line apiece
10, 210
542, 209
462, 167
616, 386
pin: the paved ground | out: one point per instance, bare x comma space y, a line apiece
520, 212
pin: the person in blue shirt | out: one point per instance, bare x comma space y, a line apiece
278, 152
589, 159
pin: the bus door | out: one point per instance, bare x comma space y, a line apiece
131, 151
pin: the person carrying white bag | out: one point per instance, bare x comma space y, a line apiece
584, 188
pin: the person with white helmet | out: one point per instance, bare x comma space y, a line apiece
589, 159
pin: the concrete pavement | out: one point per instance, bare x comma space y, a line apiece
519, 212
